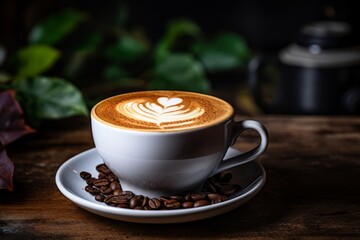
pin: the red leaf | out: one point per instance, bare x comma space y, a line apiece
6, 170
12, 123
12, 127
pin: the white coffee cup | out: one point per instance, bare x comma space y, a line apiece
158, 161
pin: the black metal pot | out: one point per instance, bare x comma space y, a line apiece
318, 74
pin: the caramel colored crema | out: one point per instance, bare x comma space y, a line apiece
162, 110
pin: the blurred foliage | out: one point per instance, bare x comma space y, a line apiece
72, 49
226, 51
35, 59
176, 31
49, 98
52, 30
179, 71
43, 97
126, 49
81, 49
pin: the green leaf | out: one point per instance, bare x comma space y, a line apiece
49, 98
126, 49
175, 30
227, 51
180, 72
53, 29
35, 59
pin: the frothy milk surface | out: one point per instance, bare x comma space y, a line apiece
162, 110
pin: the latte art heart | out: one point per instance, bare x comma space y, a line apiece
167, 112
167, 102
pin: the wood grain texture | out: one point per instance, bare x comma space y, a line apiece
312, 189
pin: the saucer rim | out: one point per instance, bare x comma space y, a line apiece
104, 210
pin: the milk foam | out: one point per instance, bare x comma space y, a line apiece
167, 110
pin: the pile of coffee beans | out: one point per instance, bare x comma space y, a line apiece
106, 188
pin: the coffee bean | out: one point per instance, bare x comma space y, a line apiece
214, 196
112, 178
172, 204
134, 202
106, 188
85, 175
92, 190
127, 194
154, 203
119, 199
180, 199
108, 199
101, 182
103, 169
99, 198
145, 202
187, 204
117, 192
90, 181
200, 203
198, 196
102, 176
114, 186
123, 205
164, 198
147, 208
214, 201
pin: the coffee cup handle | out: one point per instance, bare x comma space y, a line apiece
250, 155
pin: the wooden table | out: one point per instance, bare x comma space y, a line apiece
312, 189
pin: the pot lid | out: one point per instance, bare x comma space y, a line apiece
327, 35
313, 57
323, 44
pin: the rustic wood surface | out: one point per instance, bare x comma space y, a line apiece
312, 189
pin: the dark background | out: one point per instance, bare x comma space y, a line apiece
266, 25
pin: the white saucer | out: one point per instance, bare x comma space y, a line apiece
250, 176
